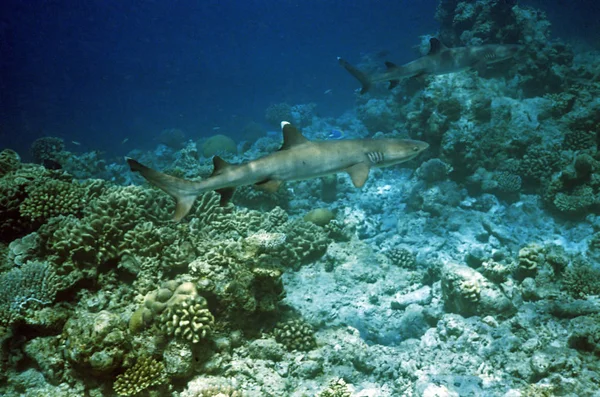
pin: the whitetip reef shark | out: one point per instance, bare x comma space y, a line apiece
439, 60
298, 159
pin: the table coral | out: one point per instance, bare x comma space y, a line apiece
25, 288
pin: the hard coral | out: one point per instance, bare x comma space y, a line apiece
51, 198
27, 287
146, 372
9, 161
295, 335
189, 320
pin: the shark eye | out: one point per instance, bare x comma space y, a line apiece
415, 149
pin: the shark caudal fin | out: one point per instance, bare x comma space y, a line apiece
184, 192
365, 81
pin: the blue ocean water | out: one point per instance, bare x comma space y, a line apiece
99, 72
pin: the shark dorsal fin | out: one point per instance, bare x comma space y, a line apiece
291, 136
390, 65
359, 174
435, 46
219, 165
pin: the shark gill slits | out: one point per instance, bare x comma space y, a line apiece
375, 157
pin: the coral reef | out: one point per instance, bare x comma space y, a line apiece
295, 335
218, 145
146, 373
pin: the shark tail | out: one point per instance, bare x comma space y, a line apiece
183, 191
365, 81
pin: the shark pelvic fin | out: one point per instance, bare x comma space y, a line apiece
226, 195
291, 136
435, 46
269, 186
359, 174
219, 165
183, 206
390, 65
393, 84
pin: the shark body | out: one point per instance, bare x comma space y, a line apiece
439, 60
297, 159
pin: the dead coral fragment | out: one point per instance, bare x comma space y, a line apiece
146, 372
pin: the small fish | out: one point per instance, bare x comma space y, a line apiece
336, 134
124, 141
76, 143
216, 128
329, 91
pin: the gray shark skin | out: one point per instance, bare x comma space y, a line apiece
297, 159
439, 60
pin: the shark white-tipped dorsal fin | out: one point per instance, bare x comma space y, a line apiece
435, 46
219, 165
291, 136
359, 174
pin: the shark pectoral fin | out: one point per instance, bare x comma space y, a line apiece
291, 136
183, 206
393, 84
390, 65
269, 186
359, 174
226, 195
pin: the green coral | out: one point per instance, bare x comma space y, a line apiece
401, 257
9, 161
581, 279
46, 149
295, 335
147, 372
189, 319
218, 144
529, 260
52, 198
320, 216
336, 388
170, 293
95, 341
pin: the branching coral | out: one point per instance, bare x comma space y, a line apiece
9, 161
295, 335
51, 198
189, 320
146, 372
